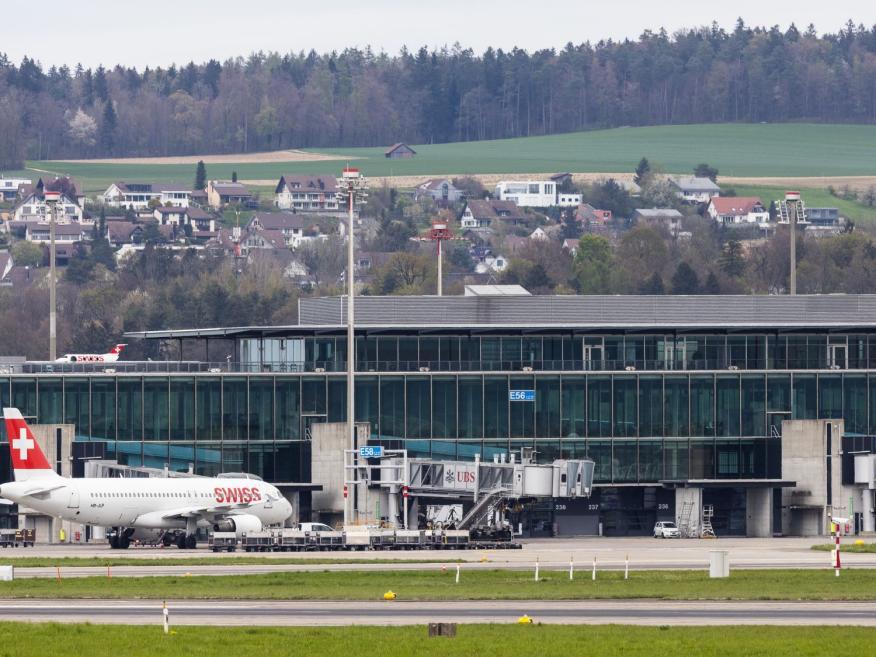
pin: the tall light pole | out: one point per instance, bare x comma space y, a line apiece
52, 199
794, 205
440, 232
351, 184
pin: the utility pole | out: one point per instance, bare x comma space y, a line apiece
792, 200
353, 185
52, 199
440, 232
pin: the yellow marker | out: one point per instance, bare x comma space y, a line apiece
389, 595
484, 558
859, 542
524, 620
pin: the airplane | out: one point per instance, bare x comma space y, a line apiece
137, 506
110, 357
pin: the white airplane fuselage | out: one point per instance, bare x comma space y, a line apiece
150, 503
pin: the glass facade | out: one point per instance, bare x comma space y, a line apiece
638, 427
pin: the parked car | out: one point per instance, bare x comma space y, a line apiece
666, 530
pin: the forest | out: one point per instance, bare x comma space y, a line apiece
359, 97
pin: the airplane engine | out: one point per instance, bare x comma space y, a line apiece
238, 524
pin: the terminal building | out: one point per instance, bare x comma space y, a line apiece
762, 409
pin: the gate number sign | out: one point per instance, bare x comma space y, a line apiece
521, 395
371, 452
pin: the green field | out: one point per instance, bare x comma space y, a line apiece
736, 149
433, 584
20, 640
813, 197
222, 560
866, 548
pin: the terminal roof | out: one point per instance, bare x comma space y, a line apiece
532, 313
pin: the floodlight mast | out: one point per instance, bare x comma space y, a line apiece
440, 232
351, 184
52, 199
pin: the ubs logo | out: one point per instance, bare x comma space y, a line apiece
449, 477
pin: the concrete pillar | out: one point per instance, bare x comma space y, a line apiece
693, 519
869, 520
759, 512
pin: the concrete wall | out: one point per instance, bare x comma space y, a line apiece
759, 512
330, 439
694, 496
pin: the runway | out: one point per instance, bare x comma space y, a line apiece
306, 613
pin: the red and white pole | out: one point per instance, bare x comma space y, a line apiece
836, 551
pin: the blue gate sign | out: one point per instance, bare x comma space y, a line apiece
521, 395
371, 452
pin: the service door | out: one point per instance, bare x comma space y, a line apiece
73, 502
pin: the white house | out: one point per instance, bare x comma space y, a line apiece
200, 221
491, 263
441, 190
303, 193
730, 210
528, 193
137, 196
568, 200
64, 233
34, 209
291, 226
694, 189
9, 187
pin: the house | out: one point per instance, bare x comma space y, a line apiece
730, 210
561, 179
694, 189
570, 245
539, 234
123, 232
69, 233
490, 263
480, 214
528, 193
138, 196
220, 194
9, 187
399, 151
586, 214
824, 221
441, 190
264, 239
565, 200
33, 206
291, 226
302, 193
199, 220
668, 217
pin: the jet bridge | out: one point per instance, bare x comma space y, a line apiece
482, 487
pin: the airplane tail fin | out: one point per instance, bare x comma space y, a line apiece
113, 354
28, 460
117, 350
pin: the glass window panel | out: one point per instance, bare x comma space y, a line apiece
625, 406
24, 396
496, 407
234, 413
728, 459
367, 400
491, 353
676, 459
522, 412
512, 353
676, 405
650, 461
857, 351
470, 353
599, 451
779, 393
292, 461
625, 461
599, 407
727, 407
553, 353
261, 408
855, 403
574, 406
444, 449
234, 457
337, 400
574, 449
387, 353
547, 406
830, 397
471, 407
443, 408
429, 352
261, 460
702, 405
313, 395
805, 398
532, 351
650, 406
702, 458
208, 459
51, 401
753, 455
208, 403
103, 408
130, 406
288, 419
419, 407
753, 405
156, 423
392, 407
408, 355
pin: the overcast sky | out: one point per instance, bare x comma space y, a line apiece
160, 32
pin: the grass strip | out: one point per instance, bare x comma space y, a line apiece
264, 560
866, 548
438, 584
25, 640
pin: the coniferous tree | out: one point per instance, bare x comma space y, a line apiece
712, 286
653, 285
685, 280
643, 168
201, 175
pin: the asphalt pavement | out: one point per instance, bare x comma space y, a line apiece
307, 613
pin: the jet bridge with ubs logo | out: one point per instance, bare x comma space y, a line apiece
483, 488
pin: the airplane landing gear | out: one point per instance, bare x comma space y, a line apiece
120, 538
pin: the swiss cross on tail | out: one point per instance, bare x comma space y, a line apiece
26, 453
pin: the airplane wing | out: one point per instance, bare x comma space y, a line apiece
6, 502
202, 511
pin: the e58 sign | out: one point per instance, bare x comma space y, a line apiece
371, 451
521, 395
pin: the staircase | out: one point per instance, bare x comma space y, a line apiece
685, 526
482, 509
708, 513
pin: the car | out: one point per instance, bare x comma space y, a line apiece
666, 530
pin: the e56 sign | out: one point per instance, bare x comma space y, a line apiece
521, 395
